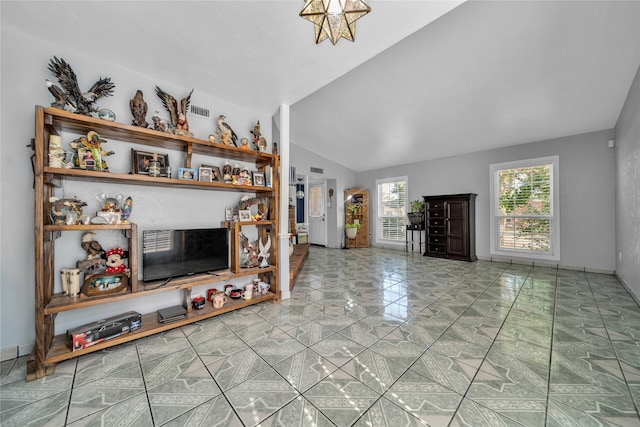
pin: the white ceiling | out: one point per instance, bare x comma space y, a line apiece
423, 80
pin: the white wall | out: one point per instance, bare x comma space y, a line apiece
628, 190
303, 160
24, 70
587, 186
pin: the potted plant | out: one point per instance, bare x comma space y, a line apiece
351, 227
417, 212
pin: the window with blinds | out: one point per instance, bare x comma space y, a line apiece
392, 209
524, 211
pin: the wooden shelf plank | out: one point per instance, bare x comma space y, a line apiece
146, 180
60, 351
60, 303
65, 121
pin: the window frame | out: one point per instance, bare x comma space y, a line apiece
554, 253
379, 229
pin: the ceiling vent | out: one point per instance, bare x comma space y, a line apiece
316, 170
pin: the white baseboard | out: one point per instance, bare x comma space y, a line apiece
8, 353
25, 349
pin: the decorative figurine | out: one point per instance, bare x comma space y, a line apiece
159, 123
226, 172
244, 178
262, 144
115, 260
244, 144
106, 114
92, 247
235, 173
110, 203
178, 118
139, 110
127, 207
60, 208
56, 153
88, 152
69, 97
249, 254
264, 252
256, 133
226, 134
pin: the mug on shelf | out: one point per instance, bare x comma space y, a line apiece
198, 301
219, 300
247, 295
264, 288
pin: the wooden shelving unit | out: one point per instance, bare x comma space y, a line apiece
50, 349
360, 196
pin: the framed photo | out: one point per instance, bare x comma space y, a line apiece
106, 283
216, 175
141, 161
204, 174
258, 179
188, 174
228, 213
244, 215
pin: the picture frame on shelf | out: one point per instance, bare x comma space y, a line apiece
141, 162
216, 174
105, 283
188, 174
258, 179
204, 174
244, 215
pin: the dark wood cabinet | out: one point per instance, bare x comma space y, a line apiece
450, 224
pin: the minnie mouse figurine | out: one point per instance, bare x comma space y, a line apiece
115, 260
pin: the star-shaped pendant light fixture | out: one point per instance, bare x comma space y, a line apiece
334, 18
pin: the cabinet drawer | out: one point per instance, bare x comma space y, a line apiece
436, 231
436, 248
435, 204
435, 222
436, 240
435, 213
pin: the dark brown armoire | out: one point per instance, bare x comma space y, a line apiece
450, 225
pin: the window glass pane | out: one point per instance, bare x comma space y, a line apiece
315, 202
523, 207
392, 209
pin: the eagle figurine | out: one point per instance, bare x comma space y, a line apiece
138, 109
69, 94
178, 118
92, 247
264, 251
227, 135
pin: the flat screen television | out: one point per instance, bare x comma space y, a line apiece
174, 253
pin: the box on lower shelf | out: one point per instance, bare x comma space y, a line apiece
103, 330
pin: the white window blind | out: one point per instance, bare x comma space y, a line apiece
524, 211
392, 209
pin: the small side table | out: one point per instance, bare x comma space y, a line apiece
411, 228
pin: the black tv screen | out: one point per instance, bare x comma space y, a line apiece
174, 253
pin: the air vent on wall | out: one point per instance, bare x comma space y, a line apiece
199, 111
316, 170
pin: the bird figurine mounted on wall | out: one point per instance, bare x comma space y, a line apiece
70, 96
139, 110
227, 135
178, 118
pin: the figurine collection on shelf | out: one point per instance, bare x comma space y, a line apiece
87, 152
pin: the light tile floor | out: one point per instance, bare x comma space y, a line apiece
370, 337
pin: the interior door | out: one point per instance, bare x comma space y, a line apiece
317, 214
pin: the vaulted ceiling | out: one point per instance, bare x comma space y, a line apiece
423, 80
